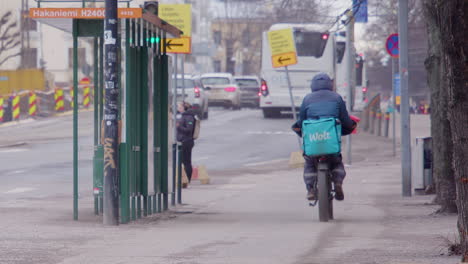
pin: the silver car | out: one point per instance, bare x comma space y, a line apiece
194, 94
222, 88
250, 87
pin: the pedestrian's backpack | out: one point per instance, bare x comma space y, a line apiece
321, 136
196, 128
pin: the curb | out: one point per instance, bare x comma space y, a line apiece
29, 120
13, 123
67, 113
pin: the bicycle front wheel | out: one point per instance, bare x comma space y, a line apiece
323, 193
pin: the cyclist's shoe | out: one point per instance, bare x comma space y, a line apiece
339, 195
311, 195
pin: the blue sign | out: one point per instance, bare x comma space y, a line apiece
392, 46
396, 84
360, 11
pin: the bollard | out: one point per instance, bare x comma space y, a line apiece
365, 121
372, 122
16, 107
86, 97
387, 124
58, 96
2, 112
71, 95
379, 123
32, 104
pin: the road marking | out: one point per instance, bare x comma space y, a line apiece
270, 133
20, 190
201, 158
236, 186
12, 150
264, 162
16, 172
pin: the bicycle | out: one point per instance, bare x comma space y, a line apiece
326, 193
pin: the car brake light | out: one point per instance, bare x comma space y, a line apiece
197, 92
230, 89
264, 88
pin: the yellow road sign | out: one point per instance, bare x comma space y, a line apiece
284, 59
282, 47
398, 100
178, 15
178, 45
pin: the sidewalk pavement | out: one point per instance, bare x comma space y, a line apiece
249, 215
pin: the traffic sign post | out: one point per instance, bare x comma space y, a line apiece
179, 15
283, 48
283, 54
393, 49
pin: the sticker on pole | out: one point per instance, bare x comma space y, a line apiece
282, 47
392, 46
179, 15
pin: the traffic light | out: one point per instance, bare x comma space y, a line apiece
359, 70
153, 40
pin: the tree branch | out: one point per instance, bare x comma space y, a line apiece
9, 57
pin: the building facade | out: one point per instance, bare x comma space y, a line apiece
238, 44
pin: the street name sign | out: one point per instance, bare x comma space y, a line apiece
282, 47
392, 46
179, 15
82, 13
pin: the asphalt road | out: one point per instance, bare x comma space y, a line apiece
253, 212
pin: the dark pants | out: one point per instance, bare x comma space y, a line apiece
310, 170
187, 147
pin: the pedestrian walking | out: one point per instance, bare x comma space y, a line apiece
185, 123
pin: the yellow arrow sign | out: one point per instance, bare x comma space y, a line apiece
282, 47
283, 60
178, 45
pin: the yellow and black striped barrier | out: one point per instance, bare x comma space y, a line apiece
32, 104
16, 107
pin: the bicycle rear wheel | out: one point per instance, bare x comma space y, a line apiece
323, 193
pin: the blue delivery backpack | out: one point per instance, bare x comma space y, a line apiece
321, 136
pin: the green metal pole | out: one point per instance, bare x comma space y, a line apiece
164, 130
96, 116
179, 174
138, 119
157, 124
124, 175
75, 119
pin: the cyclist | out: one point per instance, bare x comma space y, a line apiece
324, 102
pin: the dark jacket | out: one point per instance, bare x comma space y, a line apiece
185, 126
324, 102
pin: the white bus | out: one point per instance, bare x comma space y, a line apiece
315, 53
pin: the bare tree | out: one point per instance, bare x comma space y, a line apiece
384, 23
448, 21
442, 145
9, 37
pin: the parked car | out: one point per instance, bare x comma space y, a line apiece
194, 95
222, 88
250, 87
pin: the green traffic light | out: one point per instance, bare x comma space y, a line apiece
155, 40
